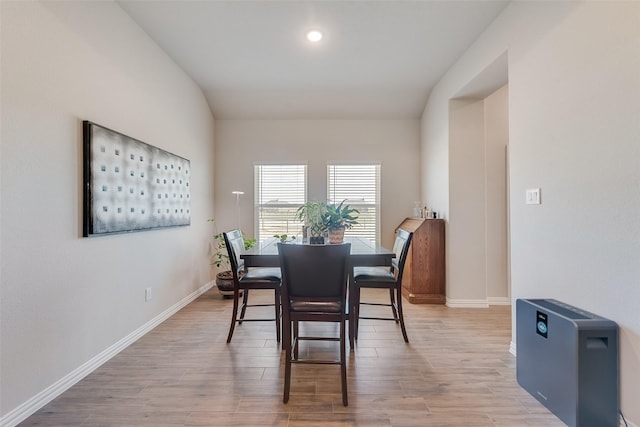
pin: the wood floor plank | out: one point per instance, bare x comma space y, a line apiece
456, 371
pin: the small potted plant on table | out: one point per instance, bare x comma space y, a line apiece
338, 218
312, 216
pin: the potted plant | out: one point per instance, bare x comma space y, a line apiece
220, 258
284, 238
338, 218
312, 216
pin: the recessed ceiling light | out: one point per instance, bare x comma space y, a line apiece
314, 36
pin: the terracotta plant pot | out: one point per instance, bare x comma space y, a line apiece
224, 282
336, 236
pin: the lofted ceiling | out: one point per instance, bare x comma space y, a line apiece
377, 60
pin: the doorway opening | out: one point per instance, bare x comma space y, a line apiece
479, 187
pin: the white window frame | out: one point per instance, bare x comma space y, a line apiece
288, 200
367, 200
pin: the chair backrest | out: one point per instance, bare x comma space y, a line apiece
401, 248
314, 271
234, 242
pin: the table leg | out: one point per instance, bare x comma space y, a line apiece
352, 319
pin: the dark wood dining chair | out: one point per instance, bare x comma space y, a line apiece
384, 277
246, 279
314, 289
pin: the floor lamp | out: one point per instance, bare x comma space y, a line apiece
238, 194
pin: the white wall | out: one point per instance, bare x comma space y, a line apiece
466, 233
574, 107
393, 143
65, 298
496, 140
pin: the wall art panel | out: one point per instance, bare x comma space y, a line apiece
130, 185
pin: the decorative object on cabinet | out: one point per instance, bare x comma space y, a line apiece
130, 185
424, 275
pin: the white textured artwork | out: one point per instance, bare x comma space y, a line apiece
130, 185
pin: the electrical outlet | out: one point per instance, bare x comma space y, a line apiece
533, 196
147, 294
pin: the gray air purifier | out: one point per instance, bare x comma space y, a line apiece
567, 358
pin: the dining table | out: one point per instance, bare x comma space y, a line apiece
364, 252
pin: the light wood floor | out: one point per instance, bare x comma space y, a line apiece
456, 371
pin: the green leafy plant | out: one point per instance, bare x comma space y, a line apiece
220, 255
284, 237
312, 215
311, 212
339, 216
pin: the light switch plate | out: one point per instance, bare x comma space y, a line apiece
533, 196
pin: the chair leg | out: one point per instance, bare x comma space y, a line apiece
234, 314
278, 311
286, 326
295, 339
352, 338
343, 362
356, 309
245, 301
353, 313
392, 298
401, 315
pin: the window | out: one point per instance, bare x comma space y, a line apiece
359, 185
279, 191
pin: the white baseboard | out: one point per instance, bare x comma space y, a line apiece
467, 303
478, 303
498, 300
512, 348
32, 405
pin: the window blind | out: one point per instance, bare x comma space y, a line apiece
359, 185
279, 190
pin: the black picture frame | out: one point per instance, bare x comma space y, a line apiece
130, 185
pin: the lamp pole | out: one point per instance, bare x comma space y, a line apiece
238, 194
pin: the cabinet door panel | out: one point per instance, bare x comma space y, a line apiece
424, 275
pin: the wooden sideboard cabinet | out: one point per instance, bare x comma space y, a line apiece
423, 281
